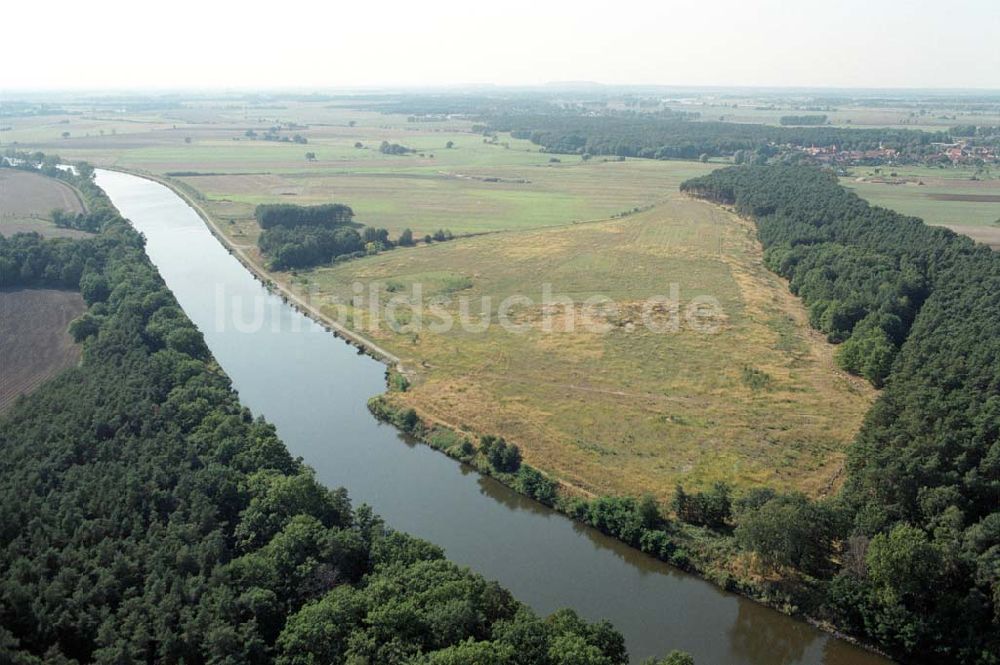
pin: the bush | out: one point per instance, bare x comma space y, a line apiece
532, 483
788, 530
502, 456
710, 508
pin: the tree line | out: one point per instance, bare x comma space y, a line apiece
917, 526
669, 137
146, 516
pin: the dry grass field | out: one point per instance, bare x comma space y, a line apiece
28, 199
34, 343
627, 410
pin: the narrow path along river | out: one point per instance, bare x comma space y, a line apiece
314, 388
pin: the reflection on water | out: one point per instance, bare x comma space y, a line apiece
314, 388
758, 641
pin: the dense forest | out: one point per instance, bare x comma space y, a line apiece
655, 137
147, 517
917, 310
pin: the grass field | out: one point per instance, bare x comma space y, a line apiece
27, 201
524, 196
943, 197
626, 411
34, 344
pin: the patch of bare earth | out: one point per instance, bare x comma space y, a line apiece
34, 342
27, 201
988, 235
25, 194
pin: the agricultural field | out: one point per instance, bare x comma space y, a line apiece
962, 199
27, 201
628, 410
474, 186
34, 342
931, 117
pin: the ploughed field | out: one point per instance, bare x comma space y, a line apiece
623, 410
28, 199
34, 342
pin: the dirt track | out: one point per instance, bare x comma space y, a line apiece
34, 343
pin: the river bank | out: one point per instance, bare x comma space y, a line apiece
260, 273
700, 551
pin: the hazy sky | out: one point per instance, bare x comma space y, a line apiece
291, 43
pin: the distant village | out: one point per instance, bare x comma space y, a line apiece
959, 153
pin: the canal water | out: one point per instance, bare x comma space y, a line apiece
314, 388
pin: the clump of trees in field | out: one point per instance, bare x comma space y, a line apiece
387, 148
146, 516
304, 236
290, 247
274, 134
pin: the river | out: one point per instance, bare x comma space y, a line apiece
314, 388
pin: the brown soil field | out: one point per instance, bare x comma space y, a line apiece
34, 342
24, 194
988, 235
973, 198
